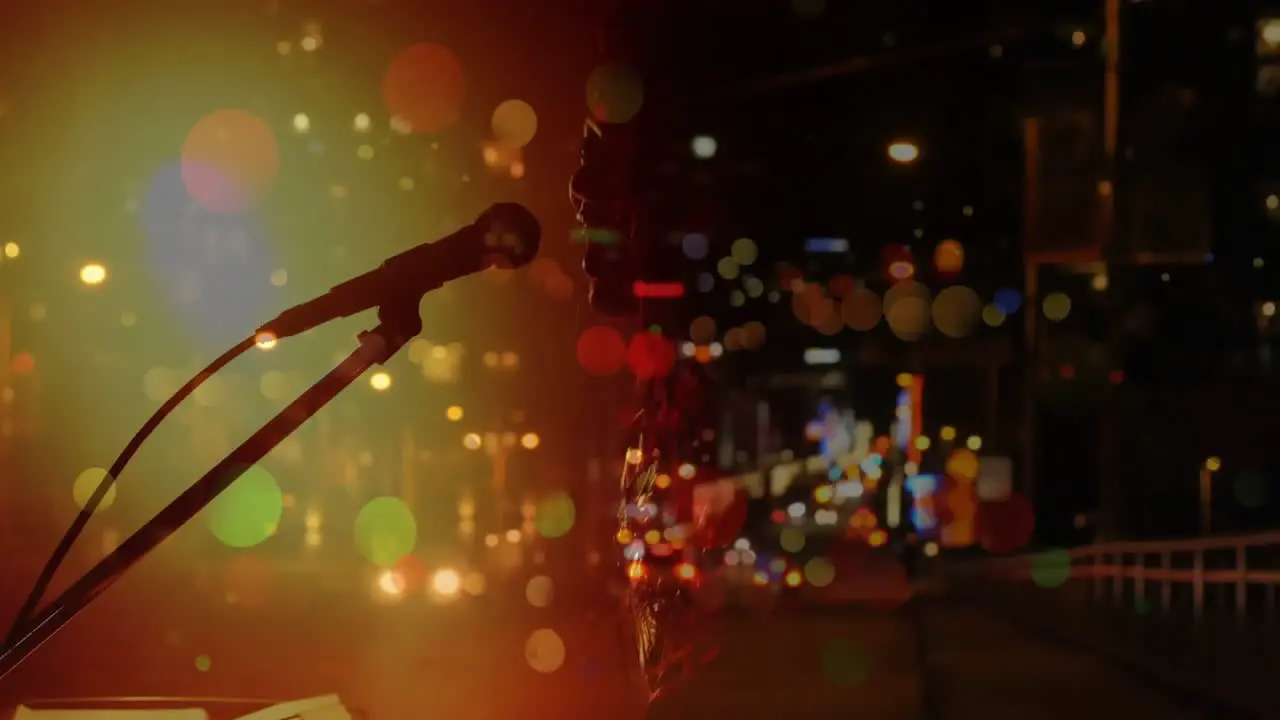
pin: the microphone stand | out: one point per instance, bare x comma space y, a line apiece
398, 322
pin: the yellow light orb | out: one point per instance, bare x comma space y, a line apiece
93, 274
903, 152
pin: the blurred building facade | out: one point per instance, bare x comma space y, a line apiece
1140, 176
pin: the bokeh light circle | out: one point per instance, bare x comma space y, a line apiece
650, 355
159, 383
385, 530
1005, 526
24, 363
1056, 306
957, 311
209, 264
728, 268
792, 540
702, 330
1008, 300
424, 88
963, 464
514, 123
1051, 568
555, 515
753, 335
86, 484
601, 351
948, 257
861, 309
908, 318
820, 572
744, 251
230, 160
539, 591
907, 309
615, 94
544, 651
248, 511
695, 246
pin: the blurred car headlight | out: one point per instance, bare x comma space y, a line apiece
446, 583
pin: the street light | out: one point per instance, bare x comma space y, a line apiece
11, 250
1211, 466
93, 274
380, 381
903, 152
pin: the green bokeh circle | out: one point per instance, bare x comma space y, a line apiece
248, 511
1051, 568
556, 515
386, 530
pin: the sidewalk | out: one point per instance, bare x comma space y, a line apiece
935, 659
1220, 660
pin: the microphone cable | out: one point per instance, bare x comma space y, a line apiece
41, 586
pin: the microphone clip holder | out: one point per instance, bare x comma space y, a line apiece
398, 323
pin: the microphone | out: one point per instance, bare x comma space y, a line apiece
505, 235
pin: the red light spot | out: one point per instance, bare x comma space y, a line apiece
663, 291
24, 363
778, 516
601, 350
424, 86
650, 355
1067, 371
1116, 377
412, 571
1005, 526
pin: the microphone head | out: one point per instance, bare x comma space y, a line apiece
511, 233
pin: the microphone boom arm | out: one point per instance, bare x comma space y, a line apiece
398, 323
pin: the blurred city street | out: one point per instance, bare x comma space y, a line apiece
481, 658
841, 351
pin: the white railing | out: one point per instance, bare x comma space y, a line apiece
1115, 566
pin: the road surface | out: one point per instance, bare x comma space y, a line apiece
928, 660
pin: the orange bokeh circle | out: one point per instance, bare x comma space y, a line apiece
424, 87
230, 161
